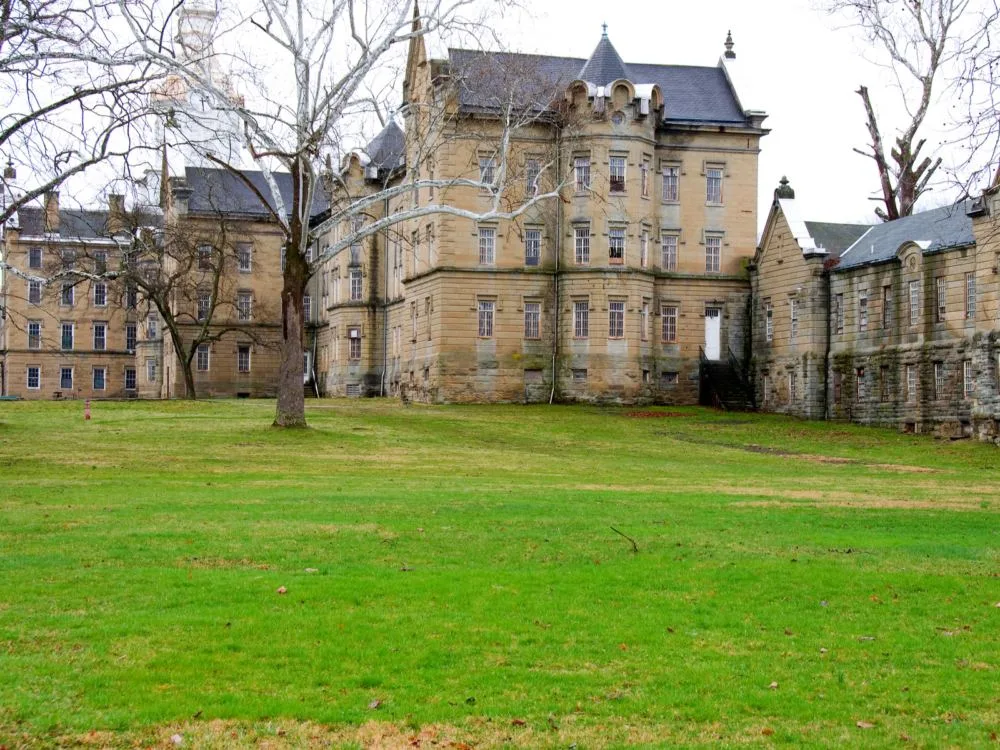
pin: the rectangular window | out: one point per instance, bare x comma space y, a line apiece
644, 178
354, 343
669, 378
863, 310
616, 171
66, 378
768, 320
581, 245
204, 305
35, 258
244, 256
204, 257
532, 247
487, 308
152, 325
34, 292
669, 315
131, 297
202, 357
792, 386
356, 284
668, 251
671, 182
581, 319
644, 248
838, 313
487, 246
100, 294
713, 254
487, 173
284, 255
101, 261
911, 384
860, 390
713, 182
34, 334
67, 294
243, 358
886, 308
66, 337
69, 259
532, 169
793, 312
970, 296
150, 370
938, 380
130, 336
616, 319
579, 375
941, 303
307, 308
244, 306
532, 320
838, 386
914, 302
616, 245
644, 321
968, 381
100, 336
129, 378
581, 173
883, 376
100, 378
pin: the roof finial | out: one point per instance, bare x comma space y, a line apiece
730, 55
784, 190
604, 30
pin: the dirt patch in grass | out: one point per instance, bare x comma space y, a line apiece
849, 500
221, 562
653, 414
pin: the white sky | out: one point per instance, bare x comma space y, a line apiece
798, 64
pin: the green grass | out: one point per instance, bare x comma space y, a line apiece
457, 565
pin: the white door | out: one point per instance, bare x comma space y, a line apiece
713, 332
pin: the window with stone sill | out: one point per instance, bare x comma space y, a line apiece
616, 171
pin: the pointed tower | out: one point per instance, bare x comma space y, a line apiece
605, 64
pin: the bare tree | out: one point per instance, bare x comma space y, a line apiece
923, 43
338, 53
72, 95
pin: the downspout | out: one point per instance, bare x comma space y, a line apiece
555, 276
827, 296
385, 302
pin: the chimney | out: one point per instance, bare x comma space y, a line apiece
116, 214
180, 194
52, 212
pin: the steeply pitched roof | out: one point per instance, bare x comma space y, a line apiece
221, 191
74, 223
387, 150
605, 65
691, 93
934, 230
835, 238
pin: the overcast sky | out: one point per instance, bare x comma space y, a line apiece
796, 63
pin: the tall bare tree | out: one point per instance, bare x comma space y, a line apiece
924, 43
336, 53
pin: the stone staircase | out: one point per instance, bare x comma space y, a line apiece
724, 386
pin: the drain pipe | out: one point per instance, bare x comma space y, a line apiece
825, 278
385, 302
555, 276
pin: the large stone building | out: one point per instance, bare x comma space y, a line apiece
607, 291
895, 324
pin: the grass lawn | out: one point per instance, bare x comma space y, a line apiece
451, 576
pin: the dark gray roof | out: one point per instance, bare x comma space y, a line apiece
605, 65
691, 93
835, 238
74, 223
387, 150
219, 190
939, 229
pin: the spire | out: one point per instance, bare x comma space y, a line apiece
605, 64
729, 54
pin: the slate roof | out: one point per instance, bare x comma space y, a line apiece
934, 230
691, 93
835, 238
82, 224
215, 190
387, 150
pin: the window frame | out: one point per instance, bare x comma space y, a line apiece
487, 236
616, 319
668, 250
38, 377
670, 183
532, 242
34, 292
354, 343
63, 371
617, 174
65, 326
713, 253
203, 358
581, 319
581, 175
669, 314
104, 378
914, 301
100, 344
131, 335
616, 244
241, 350
970, 296
581, 244
34, 338
356, 279
246, 267
244, 306
714, 177
532, 320
486, 318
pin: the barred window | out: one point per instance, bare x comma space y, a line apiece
668, 251
243, 359
970, 296
671, 181
532, 247
768, 320
581, 169
487, 309
616, 245
356, 284
669, 315
914, 303
244, 306
244, 253
34, 292
713, 180
487, 246
713, 254
532, 320
616, 319
581, 245
617, 174
581, 319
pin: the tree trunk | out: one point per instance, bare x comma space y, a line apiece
291, 410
